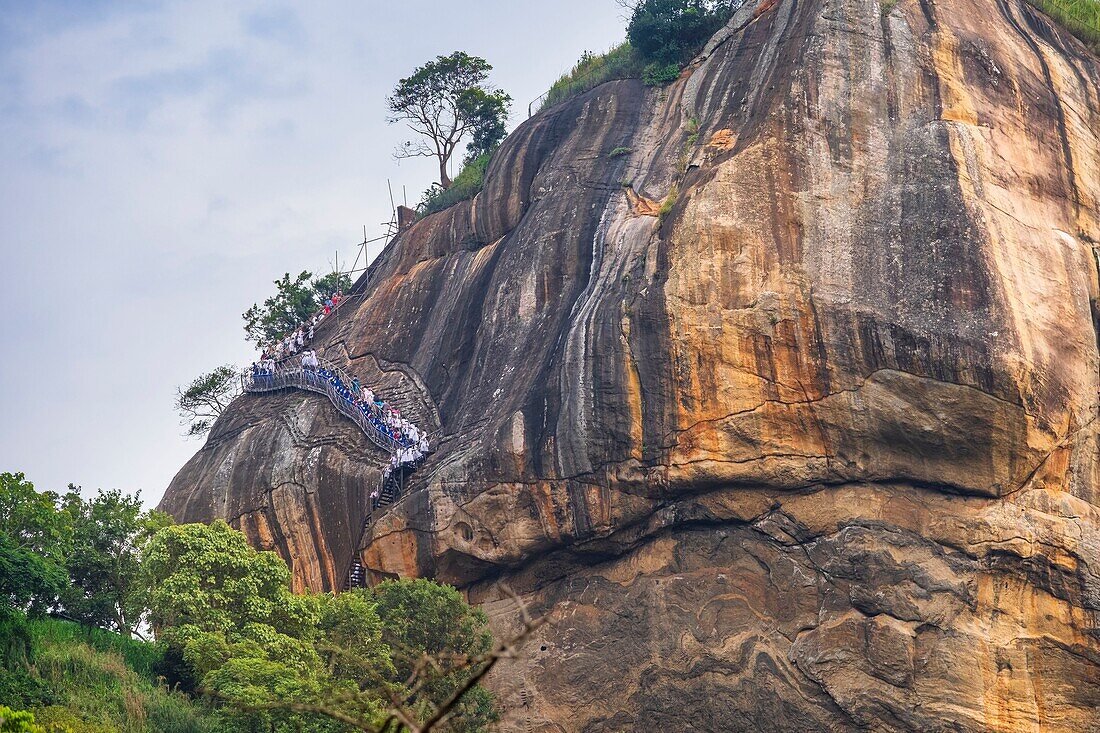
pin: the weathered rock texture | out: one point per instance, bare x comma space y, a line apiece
817, 451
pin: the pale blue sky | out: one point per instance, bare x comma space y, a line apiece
163, 162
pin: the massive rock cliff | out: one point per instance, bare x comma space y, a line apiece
817, 449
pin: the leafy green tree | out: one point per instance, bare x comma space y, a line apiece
104, 567
444, 101
17, 721
668, 32
208, 577
351, 640
294, 302
205, 399
229, 610
34, 540
424, 620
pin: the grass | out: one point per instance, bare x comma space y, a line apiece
620, 151
87, 680
467, 184
1079, 17
668, 203
620, 62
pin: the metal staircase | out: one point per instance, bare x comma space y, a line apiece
288, 375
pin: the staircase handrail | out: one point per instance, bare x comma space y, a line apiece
298, 377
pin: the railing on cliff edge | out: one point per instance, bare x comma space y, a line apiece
313, 381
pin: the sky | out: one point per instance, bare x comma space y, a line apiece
161, 163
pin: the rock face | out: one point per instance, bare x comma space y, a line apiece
817, 449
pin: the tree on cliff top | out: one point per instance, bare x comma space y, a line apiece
444, 101
203, 401
670, 32
293, 303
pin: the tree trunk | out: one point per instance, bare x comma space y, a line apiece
444, 179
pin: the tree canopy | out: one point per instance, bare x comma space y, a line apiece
229, 628
445, 101
294, 302
35, 538
202, 401
667, 32
109, 533
228, 608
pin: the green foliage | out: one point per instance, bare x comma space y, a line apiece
1079, 17
294, 302
353, 648
203, 401
619, 152
467, 184
87, 680
17, 721
34, 540
208, 578
668, 203
229, 612
621, 62
109, 532
21, 688
58, 719
227, 622
490, 113
424, 619
670, 32
444, 102
249, 641
658, 73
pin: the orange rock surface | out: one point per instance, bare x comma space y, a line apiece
817, 450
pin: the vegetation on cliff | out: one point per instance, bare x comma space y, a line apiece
1079, 17
467, 184
445, 101
293, 303
662, 36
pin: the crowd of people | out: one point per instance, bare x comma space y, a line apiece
409, 444
296, 340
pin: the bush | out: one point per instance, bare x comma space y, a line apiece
57, 719
467, 184
668, 203
621, 62
17, 721
24, 690
669, 32
656, 74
